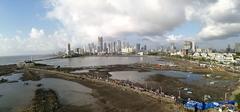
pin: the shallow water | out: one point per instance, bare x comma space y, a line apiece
133, 76
140, 77
12, 77
102, 61
187, 77
6, 60
16, 96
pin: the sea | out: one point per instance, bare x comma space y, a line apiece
7, 60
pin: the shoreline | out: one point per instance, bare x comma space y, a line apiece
101, 84
101, 73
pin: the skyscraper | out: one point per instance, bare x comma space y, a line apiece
109, 48
114, 47
237, 47
194, 46
187, 45
100, 44
69, 49
138, 47
228, 49
119, 46
145, 48
173, 47
105, 47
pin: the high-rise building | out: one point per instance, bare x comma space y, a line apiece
237, 47
194, 46
228, 49
100, 44
114, 47
89, 48
187, 45
138, 47
69, 49
144, 48
124, 45
105, 47
119, 46
78, 50
173, 47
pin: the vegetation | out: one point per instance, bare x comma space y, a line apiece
238, 53
153, 53
7, 69
237, 98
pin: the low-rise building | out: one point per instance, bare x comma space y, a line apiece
127, 50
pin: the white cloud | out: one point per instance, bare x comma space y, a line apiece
116, 18
35, 33
174, 38
37, 43
220, 18
83, 20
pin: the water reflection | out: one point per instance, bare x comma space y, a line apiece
186, 77
102, 61
140, 77
17, 95
13, 77
133, 76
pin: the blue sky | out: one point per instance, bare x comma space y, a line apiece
22, 15
19, 16
188, 29
46, 26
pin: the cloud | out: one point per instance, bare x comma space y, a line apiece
174, 38
82, 21
117, 18
35, 33
37, 43
220, 18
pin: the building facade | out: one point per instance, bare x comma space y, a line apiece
100, 44
237, 47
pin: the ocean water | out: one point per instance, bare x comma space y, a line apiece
6, 60
16, 96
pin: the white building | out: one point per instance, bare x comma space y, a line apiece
127, 50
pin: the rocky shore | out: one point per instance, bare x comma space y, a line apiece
44, 101
115, 97
30, 75
122, 95
171, 85
7, 69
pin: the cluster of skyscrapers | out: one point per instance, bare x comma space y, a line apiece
114, 47
102, 47
107, 47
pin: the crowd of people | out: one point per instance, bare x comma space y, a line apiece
188, 104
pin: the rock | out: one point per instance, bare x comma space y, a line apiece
39, 85
44, 101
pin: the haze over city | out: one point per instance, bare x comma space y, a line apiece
46, 26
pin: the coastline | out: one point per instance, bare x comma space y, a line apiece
102, 88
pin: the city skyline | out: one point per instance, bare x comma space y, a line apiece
45, 27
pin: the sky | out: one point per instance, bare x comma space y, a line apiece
46, 26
